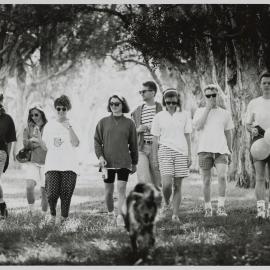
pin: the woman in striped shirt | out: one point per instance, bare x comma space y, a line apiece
171, 129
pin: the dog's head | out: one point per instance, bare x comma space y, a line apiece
144, 199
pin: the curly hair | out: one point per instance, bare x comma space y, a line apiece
63, 101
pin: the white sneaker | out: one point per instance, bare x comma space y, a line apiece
120, 221
208, 212
221, 212
175, 219
261, 214
48, 220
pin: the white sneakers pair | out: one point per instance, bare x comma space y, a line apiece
220, 212
263, 213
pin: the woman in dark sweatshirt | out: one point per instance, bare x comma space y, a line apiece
116, 148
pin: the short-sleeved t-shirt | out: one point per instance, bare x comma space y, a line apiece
171, 130
7, 131
211, 137
61, 155
258, 112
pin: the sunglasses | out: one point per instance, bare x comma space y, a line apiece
61, 109
34, 115
115, 104
211, 95
144, 91
171, 102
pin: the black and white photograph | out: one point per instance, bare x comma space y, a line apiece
134, 133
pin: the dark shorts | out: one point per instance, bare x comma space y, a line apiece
122, 175
208, 160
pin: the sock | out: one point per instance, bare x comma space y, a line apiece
207, 205
261, 205
221, 201
31, 207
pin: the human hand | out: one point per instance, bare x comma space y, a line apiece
133, 168
102, 162
66, 124
189, 161
142, 128
34, 139
254, 132
229, 159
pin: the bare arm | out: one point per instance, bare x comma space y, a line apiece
73, 137
228, 135
200, 122
188, 139
155, 149
9, 147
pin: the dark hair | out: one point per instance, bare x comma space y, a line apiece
151, 85
125, 107
171, 94
63, 101
43, 117
265, 73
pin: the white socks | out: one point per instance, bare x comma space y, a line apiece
221, 201
261, 205
207, 205
31, 207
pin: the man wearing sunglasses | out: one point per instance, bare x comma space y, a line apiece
7, 136
147, 171
214, 146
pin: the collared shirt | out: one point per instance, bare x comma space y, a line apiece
171, 130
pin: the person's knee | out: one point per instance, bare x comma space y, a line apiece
121, 188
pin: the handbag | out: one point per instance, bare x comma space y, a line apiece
24, 155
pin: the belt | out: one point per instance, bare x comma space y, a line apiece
147, 142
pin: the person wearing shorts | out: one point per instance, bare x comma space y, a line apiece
35, 175
257, 122
214, 146
172, 144
116, 148
7, 136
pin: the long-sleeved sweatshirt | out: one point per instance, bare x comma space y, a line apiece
116, 140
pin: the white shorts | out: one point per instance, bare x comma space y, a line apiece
172, 162
35, 172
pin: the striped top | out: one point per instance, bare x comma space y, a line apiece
148, 113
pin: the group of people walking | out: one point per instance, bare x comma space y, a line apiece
155, 142
52, 165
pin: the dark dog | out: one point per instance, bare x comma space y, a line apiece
139, 214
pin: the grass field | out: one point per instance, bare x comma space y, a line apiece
238, 239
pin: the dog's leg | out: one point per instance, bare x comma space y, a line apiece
133, 240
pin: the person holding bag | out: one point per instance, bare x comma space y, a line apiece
35, 167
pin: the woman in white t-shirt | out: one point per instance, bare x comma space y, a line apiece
171, 130
257, 121
61, 166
